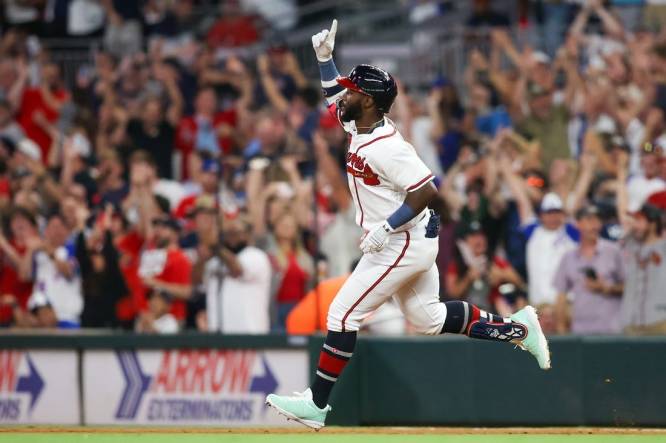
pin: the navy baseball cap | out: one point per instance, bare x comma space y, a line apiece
168, 222
588, 211
210, 165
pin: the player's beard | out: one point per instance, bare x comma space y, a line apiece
350, 112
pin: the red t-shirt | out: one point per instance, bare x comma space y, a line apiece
186, 136
494, 291
293, 284
177, 269
32, 101
233, 31
129, 247
11, 283
5, 187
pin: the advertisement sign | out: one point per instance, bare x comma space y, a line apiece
188, 386
39, 387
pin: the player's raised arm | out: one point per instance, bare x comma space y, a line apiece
323, 44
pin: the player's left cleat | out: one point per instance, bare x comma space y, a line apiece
535, 342
300, 408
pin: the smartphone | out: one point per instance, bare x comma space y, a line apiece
590, 273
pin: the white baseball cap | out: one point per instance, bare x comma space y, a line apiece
30, 149
551, 202
81, 145
541, 57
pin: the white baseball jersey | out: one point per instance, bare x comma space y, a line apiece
381, 169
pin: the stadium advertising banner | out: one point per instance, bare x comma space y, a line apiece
39, 387
188, 386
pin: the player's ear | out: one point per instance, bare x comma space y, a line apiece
368, 102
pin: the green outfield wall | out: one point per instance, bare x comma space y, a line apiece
605, 381
609, 381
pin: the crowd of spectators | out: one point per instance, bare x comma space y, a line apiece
178, 183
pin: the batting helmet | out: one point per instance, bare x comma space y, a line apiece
373, 81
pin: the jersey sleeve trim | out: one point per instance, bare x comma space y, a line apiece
420, 183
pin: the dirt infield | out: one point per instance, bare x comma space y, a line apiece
336, 430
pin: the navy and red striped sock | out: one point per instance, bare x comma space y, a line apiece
335, 354
465, 318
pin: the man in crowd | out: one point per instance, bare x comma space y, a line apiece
57, 298
589, 281
644, 305
237, 282
548, 238
166, 267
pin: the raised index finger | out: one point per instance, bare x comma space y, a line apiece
334, 28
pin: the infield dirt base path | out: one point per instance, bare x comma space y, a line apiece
336, 430
54, 434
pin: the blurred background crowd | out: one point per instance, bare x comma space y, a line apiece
182, 172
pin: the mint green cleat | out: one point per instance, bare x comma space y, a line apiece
300, 408
535, 342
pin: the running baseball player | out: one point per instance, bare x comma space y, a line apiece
391, 188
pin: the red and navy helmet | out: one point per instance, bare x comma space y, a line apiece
374, 82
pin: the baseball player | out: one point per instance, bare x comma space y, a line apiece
391, 188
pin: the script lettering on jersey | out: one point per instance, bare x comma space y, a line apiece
357, 167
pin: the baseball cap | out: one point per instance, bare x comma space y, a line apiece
541, 57
658, 199
440, 81
168, 222
8, 143
551, 203
210, 165
588, 211
535, 90
649, 211
166, 295
473, 227
30, 149
204, 203
536, 179
81, 145
617, 141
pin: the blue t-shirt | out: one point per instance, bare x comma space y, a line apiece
489, 124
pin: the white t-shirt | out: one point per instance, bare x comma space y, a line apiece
640, 188
340, 242
166, 324
171, 190
545, 249
63, 294
242, 306
381, 169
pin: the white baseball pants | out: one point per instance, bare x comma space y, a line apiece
405, 270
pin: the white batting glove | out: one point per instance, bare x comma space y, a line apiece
375, 240
324, 42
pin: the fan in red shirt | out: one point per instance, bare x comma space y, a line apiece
15, 289
207, 130
40, 107
166, 267
234, 28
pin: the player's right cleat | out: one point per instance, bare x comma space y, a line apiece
300, 408
535, 342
